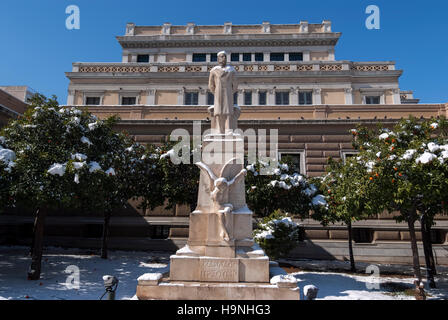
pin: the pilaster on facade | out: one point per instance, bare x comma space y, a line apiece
151, 99
306, 56
266, 56
294, 96
348, 95
317, 96
202, 97
331, 55
71, 97
270, 97
396, 98
240, 98
180, 96
254, 97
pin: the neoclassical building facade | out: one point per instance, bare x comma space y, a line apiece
290, 79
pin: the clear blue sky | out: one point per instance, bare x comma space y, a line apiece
36, 47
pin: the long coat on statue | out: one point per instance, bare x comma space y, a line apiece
222, 83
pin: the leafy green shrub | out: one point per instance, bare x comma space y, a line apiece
277, 234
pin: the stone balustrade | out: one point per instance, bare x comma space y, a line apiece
316, 66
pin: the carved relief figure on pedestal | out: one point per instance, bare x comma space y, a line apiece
223, 84
219, 193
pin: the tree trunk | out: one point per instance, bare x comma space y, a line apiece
350, 247
427, 247
106, 224
38, 242
34, 232
415, 256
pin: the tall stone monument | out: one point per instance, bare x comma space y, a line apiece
221, 260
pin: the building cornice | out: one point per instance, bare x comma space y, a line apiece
229, 40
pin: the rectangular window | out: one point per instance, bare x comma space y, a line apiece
191, 98
373, 100
143, 58
248, 98
247, 56
259, 56
213, 57
93, 101
306, 97
348, 154
362, 235
210, 98
199, 57
295, 56
282, 98
277, 56
235, 98
262, 98
234, 57
295, 159
128, 101
160, 232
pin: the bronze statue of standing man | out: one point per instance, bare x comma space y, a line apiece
223, 84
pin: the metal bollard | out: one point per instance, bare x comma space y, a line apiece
111, 284
310, 292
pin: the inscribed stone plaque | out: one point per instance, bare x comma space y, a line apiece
218, 269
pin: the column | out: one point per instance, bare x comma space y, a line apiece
317, 97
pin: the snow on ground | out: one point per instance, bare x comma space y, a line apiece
128, 266
340, 286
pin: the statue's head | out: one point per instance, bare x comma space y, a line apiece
222, 58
